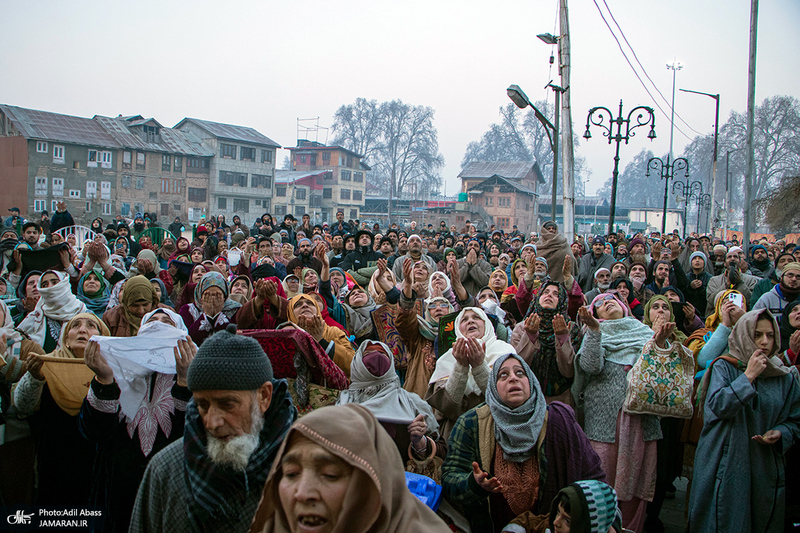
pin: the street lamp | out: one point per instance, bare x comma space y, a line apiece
716, 139
522, 101
667, 171
641, 120
703, 202
687, 191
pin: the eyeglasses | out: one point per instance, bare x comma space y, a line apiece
603, 299
440, 305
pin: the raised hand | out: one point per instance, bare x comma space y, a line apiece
416, 430
655, 250
770, 437
321, 253
675, 248
184, 353
492, 485
33, 364
664, 331
688, 311
560, 325
472, 257
566, 269
313, 326
588, 318
297, 272
476, 353
532, 323
98, 364
460, 352
794, 342
756, 365
212, 303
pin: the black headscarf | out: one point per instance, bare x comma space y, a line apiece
786, 328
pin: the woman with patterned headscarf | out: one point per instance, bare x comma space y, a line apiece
54, 388
212, 310
548, 341
303, 311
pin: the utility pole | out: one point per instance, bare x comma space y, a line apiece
751, 106
567, 150
674, 67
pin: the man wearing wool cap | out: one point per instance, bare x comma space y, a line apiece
211, 479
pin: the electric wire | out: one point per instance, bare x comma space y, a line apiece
636, 57
644, 86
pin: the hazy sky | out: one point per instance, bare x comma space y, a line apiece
267, 63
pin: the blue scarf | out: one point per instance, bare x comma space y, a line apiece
97, 303
219, 493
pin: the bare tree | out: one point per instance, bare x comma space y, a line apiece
398, 140
519, 136
778, 208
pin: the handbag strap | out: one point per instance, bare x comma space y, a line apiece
423, 462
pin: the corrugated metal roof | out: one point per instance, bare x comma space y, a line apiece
229, 131
487, 169
173, 141
34, 124
498, 179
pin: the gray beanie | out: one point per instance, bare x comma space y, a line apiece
698, 254
227, 361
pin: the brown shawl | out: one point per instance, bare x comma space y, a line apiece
377, 498
554, 248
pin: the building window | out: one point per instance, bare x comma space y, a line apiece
58, 154
74, 193
327, 193
176, 207
344, 194
303, 158
328, 175
178, 163
241, 206
316, 201
197, 195
140, 161
138, 208
139, 182
196, 162
280, 190
39, 205
229, 151
58, 186
125, 209
126, 182
107, 209
164, 185
226, 178
105, 190
247, 154
266, 156
313, 160
353, 214
91, 189
326, 158
164, 210
356, 195
301, 194
41, 147
91, 160
54, 205
126, 161
488, 200
222, 203
166, 163
504, 202
105, 159
345, 175
280, 210
261, 180
41, 187
358, 177
175, 186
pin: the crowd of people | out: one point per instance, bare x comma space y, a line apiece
544, 385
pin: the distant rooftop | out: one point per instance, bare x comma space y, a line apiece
487, 169
288, 176
46, 126
231, 132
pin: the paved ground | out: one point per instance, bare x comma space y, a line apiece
672, 514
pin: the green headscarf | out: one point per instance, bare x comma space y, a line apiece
678, 336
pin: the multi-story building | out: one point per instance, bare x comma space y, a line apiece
299, 193
160, 170
242, 169
100, 166
506, 190
345, 181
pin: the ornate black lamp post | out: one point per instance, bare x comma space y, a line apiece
687, 191
703, 202
641, 119
667, 171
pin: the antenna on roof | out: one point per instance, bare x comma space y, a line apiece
305, 132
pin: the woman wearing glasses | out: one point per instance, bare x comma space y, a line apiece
626, 443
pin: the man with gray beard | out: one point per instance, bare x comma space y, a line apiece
602, 281
211, 479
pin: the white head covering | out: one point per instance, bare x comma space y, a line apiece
56, 303
13, 366
175, 317
383, 395
493, 346
446, 280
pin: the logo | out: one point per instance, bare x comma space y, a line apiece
19, 518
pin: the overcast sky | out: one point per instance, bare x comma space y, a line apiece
267, 63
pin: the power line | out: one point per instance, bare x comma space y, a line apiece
645, 70
633, 69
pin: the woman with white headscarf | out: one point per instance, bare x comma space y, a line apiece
57, 304
131, 418
408, 420
461, 375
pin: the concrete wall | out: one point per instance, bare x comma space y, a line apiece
14, 176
